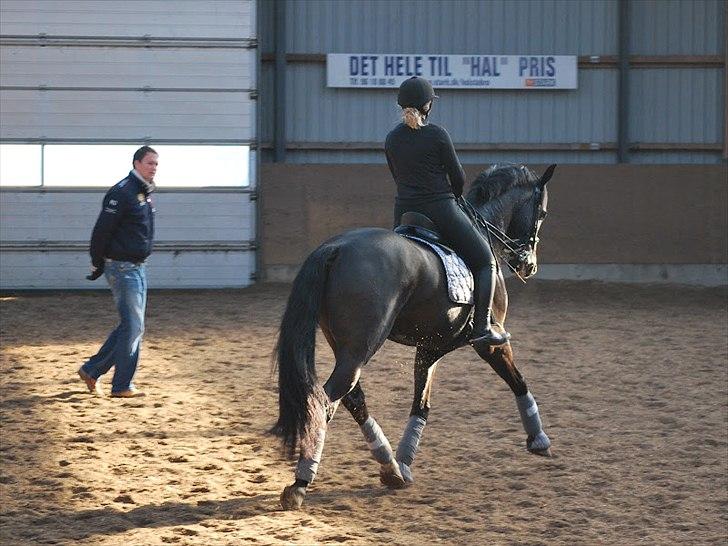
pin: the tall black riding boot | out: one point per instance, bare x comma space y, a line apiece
483, 333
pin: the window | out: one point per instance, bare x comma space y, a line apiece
21, 165
85, 165
103, 165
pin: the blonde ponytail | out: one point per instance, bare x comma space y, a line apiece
413, 118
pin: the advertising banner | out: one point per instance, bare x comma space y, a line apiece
362, 70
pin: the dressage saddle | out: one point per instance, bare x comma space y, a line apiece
415, 224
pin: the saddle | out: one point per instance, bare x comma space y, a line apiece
419, 228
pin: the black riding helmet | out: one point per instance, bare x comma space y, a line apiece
415, 92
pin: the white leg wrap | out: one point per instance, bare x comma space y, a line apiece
529, 414
410, 441
377, 441
538, 440
306, 469
406, 472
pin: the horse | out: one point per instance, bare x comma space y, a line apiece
367, 285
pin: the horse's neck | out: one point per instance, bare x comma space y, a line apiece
498, 212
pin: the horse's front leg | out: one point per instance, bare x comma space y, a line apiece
389, 473
425, 364
501, 360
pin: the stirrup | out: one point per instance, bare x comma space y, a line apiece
491, 337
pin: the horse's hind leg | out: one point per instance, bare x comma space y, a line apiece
345, 375
308, 460
354, 345
377, 442
501, 360
425, 364
341, 381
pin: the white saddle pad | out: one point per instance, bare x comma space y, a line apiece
460, 282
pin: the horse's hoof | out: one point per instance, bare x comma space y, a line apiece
391, 476
406, 473
292, 497
539, 444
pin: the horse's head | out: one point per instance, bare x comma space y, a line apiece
513, 197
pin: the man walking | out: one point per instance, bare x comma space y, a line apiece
120, 243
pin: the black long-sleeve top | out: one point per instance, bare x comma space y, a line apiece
421, 160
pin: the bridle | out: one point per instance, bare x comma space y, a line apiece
512, 250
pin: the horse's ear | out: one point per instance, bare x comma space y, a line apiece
545, 177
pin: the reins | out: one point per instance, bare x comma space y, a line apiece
510, 246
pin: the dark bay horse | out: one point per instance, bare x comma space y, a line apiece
368, 285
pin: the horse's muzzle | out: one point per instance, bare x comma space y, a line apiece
526, 267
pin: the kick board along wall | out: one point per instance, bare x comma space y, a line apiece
632, 223
102, 73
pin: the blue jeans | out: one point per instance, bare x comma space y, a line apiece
128, 284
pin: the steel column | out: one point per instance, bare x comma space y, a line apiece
623, 98
280, 85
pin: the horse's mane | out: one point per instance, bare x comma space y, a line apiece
498, 179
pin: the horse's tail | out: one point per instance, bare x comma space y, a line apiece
300, 399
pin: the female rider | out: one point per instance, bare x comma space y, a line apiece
421, 157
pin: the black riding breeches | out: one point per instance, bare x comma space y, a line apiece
456, 228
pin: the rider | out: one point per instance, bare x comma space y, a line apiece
421, 157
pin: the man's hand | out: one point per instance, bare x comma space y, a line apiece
96, 272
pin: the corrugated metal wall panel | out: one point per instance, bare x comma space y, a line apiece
68, 217
320, 114
158, 18
472, 158
118, 67
199, 216
471, 116
165, 269
126, 115
676, 158
677, 105
198, 93
695, 96
583, 115
678, 27
181, 216
561, 27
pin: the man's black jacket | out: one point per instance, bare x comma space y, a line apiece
124, 230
